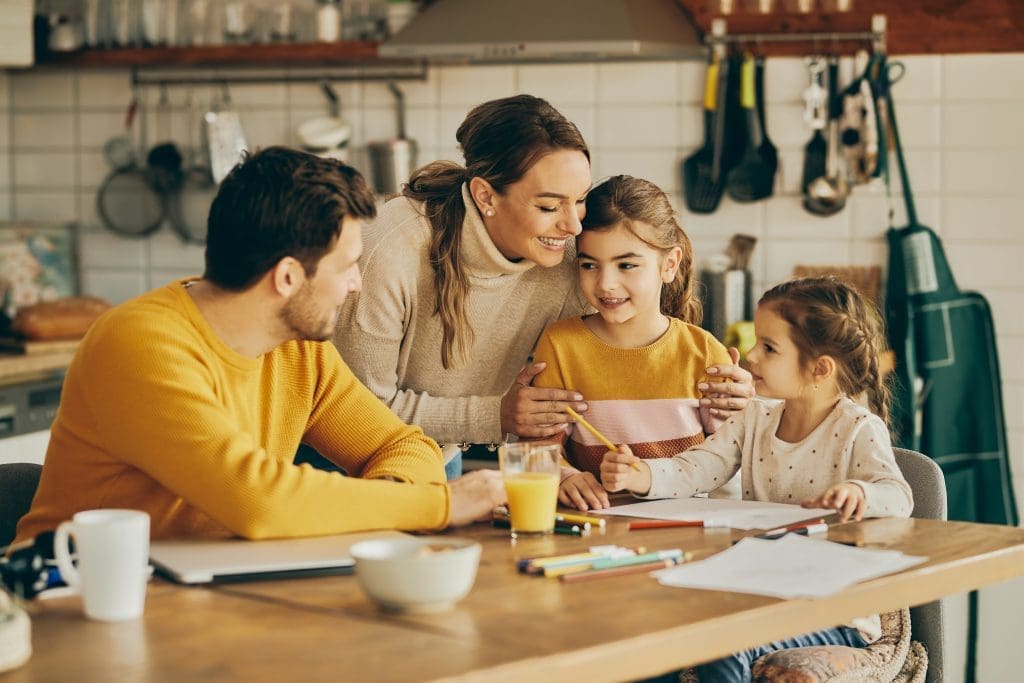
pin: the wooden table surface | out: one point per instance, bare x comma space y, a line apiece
510, 628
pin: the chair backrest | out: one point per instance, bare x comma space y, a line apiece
926, 481
929, 488
18, 483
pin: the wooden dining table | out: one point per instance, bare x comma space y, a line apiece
511, 627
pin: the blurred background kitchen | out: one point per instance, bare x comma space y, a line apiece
201, 79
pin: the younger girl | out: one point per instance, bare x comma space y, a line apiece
637, 361
818, 344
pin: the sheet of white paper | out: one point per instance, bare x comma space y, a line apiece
738, 514
791, 567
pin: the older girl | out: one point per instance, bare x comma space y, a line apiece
638, 360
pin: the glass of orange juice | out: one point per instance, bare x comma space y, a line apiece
531, 471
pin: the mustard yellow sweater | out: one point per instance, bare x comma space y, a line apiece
158, 414
646, 396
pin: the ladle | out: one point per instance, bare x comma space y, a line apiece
826, 195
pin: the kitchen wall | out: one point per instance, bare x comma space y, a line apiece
960, 117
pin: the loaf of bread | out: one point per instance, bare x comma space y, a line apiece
66, 318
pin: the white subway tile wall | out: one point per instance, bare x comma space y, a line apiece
958, 117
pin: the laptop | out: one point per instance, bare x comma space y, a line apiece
214, 561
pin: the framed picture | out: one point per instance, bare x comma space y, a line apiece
38, 262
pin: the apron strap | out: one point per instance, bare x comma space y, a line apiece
887, 112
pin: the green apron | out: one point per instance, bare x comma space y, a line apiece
947, 394
947, 401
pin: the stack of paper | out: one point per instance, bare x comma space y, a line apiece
737, 514
791, 567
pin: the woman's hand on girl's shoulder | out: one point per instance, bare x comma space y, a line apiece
728, 388
582, 491
535, 412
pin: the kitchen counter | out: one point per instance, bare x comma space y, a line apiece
23, 367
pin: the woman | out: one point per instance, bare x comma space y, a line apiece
463, 272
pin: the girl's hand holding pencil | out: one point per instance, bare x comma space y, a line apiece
621, 470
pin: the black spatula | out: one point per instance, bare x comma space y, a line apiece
767, 149
752, 178
703, 180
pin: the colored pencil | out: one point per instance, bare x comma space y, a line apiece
542, 561
811, 527
598, 435
609, 562
621, 571
670, 523
579, 519
573, 530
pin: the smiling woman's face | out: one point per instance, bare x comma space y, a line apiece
536, 216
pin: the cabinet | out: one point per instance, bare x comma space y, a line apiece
16, 33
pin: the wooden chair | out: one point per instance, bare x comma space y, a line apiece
18, 483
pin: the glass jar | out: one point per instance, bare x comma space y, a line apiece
328, 21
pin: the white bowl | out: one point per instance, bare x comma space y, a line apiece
426, 574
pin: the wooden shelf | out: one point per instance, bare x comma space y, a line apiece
269, 55
914, 26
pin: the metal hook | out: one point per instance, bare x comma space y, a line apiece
334, 103
400, 102
895, 71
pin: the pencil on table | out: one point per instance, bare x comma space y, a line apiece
598, 435
669, 523
620, 571
579, 519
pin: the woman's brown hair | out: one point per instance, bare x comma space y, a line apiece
501, 140
829, 317
644, 209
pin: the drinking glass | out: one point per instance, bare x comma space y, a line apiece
531, 472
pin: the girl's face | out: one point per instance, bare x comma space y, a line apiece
621, 276
774, 360
537, 215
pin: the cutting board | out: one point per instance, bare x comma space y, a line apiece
27, 347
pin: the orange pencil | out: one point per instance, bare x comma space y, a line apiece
669, 523
598, 435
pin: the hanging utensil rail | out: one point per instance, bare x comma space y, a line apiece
719, 37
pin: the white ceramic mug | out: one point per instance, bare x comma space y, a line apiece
113, 559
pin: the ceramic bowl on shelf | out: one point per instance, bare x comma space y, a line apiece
424, 574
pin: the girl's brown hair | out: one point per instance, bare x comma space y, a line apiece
829, 317
501, 140
645, 210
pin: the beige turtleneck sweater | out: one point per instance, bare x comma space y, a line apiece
391, 339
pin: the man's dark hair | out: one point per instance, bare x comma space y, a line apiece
280, 202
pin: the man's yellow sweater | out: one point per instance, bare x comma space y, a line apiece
158, 414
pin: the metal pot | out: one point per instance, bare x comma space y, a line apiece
392, 161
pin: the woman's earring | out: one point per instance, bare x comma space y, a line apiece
489, 212
815, 387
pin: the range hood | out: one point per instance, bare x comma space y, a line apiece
546, 30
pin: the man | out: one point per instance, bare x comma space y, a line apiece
189, 402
